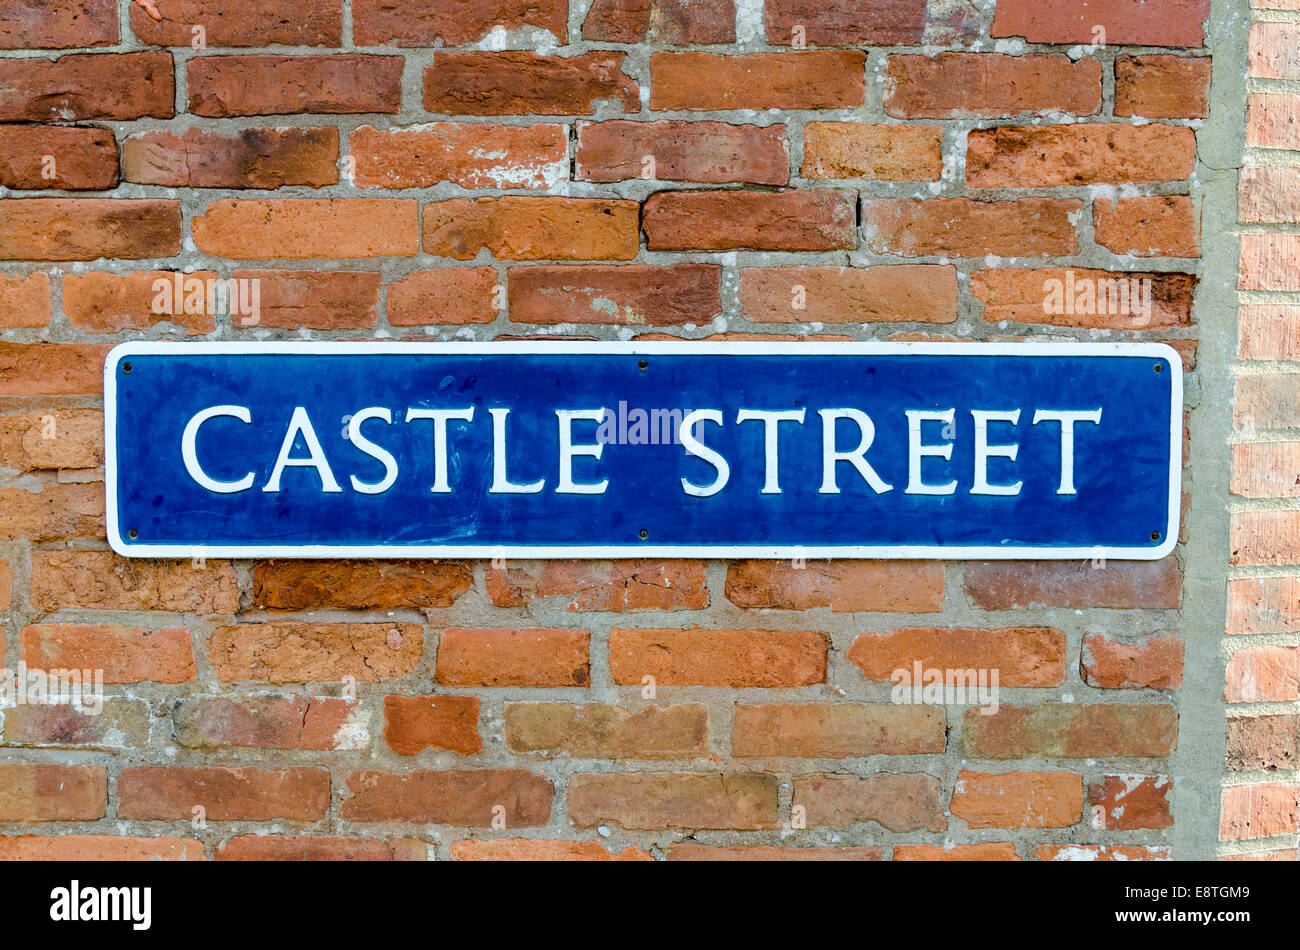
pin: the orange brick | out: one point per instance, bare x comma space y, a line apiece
1163, 226
247, 158
302, 652
810, 79
1264, 605
1043, 296
685, 851
24, 302
1044, 156
66, 847
225, 86
52, 440
1022, 656
892, 586
1129, 802
1019, 799
706, 152
596, 730
31, 24
1266, 470
1269, 537
960, 227
652, 800
836, 730
625, 294
172, 792
100, 302
1155, 663
30, 792
896, 801
616, 586
284, 23
101, 580
1162, 87
992, 851
269, 722
358, 585
1259, 811
415, 723
469, 155
57, 512
448, 295
954, 85
1100, 852
1263, 674
503, 657
526, 228
818, 220
40, 157
466, 798
82, 229
717, 657
51, 369
125, 654
1072, 731
527, 83
308, 227
1012, 585
879, 152
531, 849
318, 848
894, 293
88, 86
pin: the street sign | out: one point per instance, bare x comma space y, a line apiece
554, 449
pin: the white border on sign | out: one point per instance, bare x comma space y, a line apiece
1160, 351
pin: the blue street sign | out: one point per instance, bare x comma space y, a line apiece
547, 449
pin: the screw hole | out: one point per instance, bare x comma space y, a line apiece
126, 369
642, 365
1159, 368
133, 534
1155, 535
643, 533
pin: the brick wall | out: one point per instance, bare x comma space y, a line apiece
832, 169
1261, 794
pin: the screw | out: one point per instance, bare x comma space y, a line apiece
644, 534
1159, 368
1155, 535
642, 365
133, 534
126, 369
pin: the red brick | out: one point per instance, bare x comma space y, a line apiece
38, 792
1263, 605
651, 800
37, 24
231, 23
116, 724
960, 227
1162, 87
710, 152
448, 295
100, 302
531, 849
66, 847
82, 229
1041, 296
528, 228
57, 512
358, 585
893, 293
1266, 401
1130, 802
51, 369
1154, 663
81, 86
269, 722
1273, 50
718, 657
1019, 799
6, 590
1259, 811
897, 801
843, 150
661, 22
245, 158
1100, 852
513, 657
1154, 23
415, 723
526, 83
317, 848
1072, 731
1022, 656
1265, 537
1273, 120
1012, 585
471, 155
225, 86
846, 22
990, 851
101, 580
1164, 226
172, 792
955, 85
426, 22
1044, 156
686, 851
39, 157
836, 730
344, 300
308, 227
303, 652
24, 302
471, 798
817, 220
596, 730
1269, 262
1268, 195
615, 586
1263, 674
812, 79
1266, 470
124, 654
1263, 743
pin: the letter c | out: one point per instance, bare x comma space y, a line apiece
191, 458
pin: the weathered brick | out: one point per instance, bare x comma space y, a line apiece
318, 848
57, 512
24, 302
771, 658
415, 723
124, 654
1273, 50
891, 293
226, 23
1072, 731
52, 440
309, 227
1273, 120
1267, 401
1259, 811
344, 300
818, 220
101, 302
82, 229
358, 585
269, 722
1263, 674
1263, 743
960, 227
1164, 226
532, 849
66, 847
1269, 262
1268, 195
101, 580
649, 800
303, 652
1012, 585
81, 86
845, 22
172, 792
661, 22
51, 369
528, 228
468, 657
1266, 470
1153, 663
526, 83
616, 586
468, 798
1162, 87
39, 792
1019, 799
597, 730
1023, 656
990, 851
836, 730
1153, 23
899, 802
810, 79
1263, 605
55, 156
425, 22
841, 150
6, 589
447, 295
1130, 802
956, 85
1044, 156
36, 24
686, 851
224, 86
115, 724
1100, 852
471, 155
245, 158
708, 152
1265, 537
